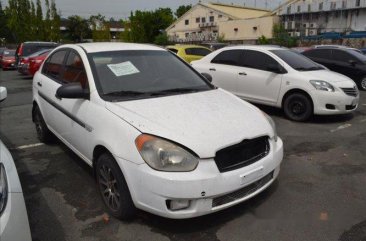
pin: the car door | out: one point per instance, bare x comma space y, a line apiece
345, 63
75, 128
225, 69
258, 83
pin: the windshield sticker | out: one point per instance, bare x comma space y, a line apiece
125, 68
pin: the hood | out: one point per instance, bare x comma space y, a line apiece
204, 122
327, 75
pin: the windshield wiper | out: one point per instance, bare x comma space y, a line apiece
125, 93
178, 90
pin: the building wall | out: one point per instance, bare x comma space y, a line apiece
248, 29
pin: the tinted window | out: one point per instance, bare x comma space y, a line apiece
297, 61
197, 51
318, 53
131, 74
74, 71
257, 60
229, 57
53, 66
347, 55
29, 49
173, 50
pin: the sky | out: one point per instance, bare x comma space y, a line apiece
120, 9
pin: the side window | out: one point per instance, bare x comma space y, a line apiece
342, 56
53, 66
228, 57
74, 70
257, 60
197, 51
318, 53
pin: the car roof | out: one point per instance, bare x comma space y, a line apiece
107, 46
256, 47
184, 46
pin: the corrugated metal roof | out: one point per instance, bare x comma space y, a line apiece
237, 12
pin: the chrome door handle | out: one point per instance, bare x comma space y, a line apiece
39, 84
212, 69
242, 73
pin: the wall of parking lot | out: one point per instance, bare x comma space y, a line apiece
352, 42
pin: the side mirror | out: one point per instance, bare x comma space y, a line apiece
72, 91
207, 76
275, 68
3, 93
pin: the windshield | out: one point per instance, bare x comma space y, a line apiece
133, 74
296, 60
358, 55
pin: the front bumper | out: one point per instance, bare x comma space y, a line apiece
152, 189
333, 103
14, 220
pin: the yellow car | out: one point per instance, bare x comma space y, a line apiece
189, 52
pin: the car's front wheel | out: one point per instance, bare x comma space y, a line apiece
113, 188
362, 84
298, 107
43, 133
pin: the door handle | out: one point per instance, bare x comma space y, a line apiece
242, 73
212, 69
39, 84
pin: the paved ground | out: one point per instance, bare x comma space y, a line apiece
320, 193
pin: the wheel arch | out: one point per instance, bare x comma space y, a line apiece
298, 91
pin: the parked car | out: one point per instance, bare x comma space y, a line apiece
344, 61
159, 136
334, 46
214, 46
189, 52
1, 53
24, 67
36, 62
13, 214
27, 48
8, 59
363, 50
282, 78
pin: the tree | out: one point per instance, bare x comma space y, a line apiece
55, 23
162, 39
262, 40
39, 21
5, 33
78, 28
181, 10
100, 28
281, 37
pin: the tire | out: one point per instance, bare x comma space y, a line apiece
43, 133
362, 84
113, 188
298, 107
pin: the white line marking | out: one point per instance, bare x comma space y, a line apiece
28, 146
362, 121
341, 127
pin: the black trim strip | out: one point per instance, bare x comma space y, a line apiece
65, 112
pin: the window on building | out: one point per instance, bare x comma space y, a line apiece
344, 4
320, 6
228, 57
333, 5
212, 19
289, 9
309, 7
187, 35
298, 8
203, 20
186, 22
198, 20
220, 16
358, 3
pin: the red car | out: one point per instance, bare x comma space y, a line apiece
36, 62
24, 62
8, 59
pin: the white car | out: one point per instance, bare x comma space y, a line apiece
159, 136
279, 77
13, 214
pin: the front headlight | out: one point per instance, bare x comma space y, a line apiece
163, 155
273, 124
3, 189
322, 85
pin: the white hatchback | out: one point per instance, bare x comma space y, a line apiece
159, 136
279, 77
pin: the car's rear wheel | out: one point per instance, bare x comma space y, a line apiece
298, 107
43, 133
113, 188
362, 84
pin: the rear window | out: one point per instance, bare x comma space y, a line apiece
318, 53
173, 50
29, 49
9, 53
197, 51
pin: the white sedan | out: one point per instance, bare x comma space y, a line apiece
159, 136
282, 78
13, 214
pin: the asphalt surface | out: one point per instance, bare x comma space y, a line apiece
320, 193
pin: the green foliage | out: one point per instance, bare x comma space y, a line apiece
162, 39
78, 28
24, 19
262, 40
221, 38
5, 33
181, 10
281, 37
100, 28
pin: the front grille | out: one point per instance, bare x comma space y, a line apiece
350, 91
241, 193
242, 154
